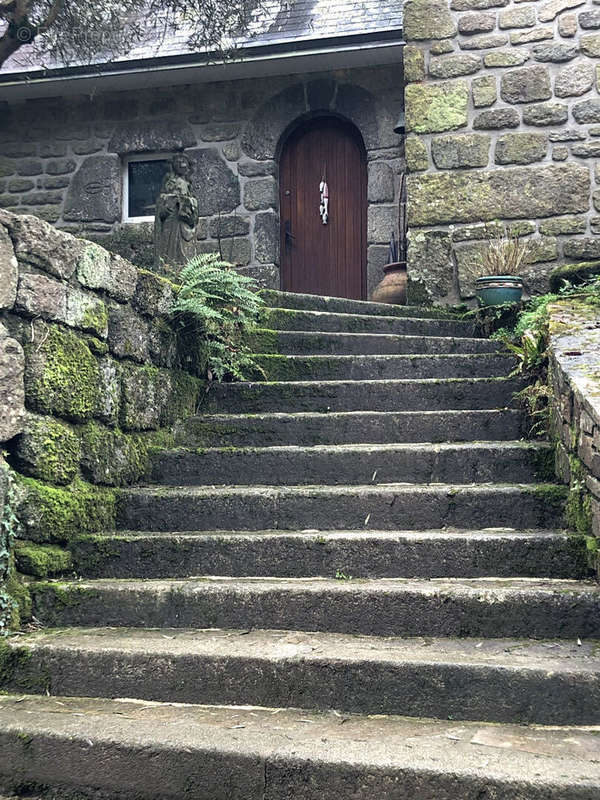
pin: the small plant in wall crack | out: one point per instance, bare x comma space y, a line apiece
215, 308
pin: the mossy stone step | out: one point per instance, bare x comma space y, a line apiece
499, 680
361, 554
464, 462
350, 427
391, 507
535, 608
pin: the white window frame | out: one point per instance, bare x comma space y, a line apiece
127, 160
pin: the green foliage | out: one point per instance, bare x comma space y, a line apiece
10, 527
215, 308
341, 576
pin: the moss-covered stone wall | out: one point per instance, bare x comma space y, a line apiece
91, 382
574, 375
502, 120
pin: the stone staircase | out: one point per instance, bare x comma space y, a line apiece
350, 581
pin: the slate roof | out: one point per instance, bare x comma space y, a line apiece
285, 24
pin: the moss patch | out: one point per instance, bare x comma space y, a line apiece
42, 560
579, 508
48, 450
574, 274
51, 514
111, 457
61, 375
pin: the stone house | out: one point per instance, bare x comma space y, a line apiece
502, 117
319, 89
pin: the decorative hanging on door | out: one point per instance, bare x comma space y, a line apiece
324, 201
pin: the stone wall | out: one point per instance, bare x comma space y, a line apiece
89, 383
575, 419
503, 124
62, 160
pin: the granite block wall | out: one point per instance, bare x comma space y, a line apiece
62, 159
503, 133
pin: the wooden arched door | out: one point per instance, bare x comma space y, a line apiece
316, 258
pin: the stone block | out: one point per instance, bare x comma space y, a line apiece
582, 248
567, 25
469, 258
428, 19
460, 151
213, 183
226, 227
506, 58
596, 199
63, 166
586, 149
574, 80
453, 66
548, 11
417, 157
266, 238
380, 183
430, 259
95, 191
520, 148
237, 251
9, 271
381, 221
86, 148
436, 107
260, 194
148, 395
99, 269
541, 250
557, 52
517, 17
29, 166
128, 334
476, 5
12, 390
545, 114
39, 296
595, 225
476, 23
256, 169
440, 47
534, 35
587, 111
484, 42
7, 166
414, 64
61, 374
560, 152
111, 457
521, 228
525, 85
108, 396
566, 135
52, 149
590, 20
53, 182
48, 449
86, 311
562, 226
232, 150
20, 185
590, 46
163, 135
484, 91
42, 198
218, 131
260, 139
511, 193
467, 233
496, 119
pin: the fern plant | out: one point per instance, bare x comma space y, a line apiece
216, 307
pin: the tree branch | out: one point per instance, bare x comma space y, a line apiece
52, 16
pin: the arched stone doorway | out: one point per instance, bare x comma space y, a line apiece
318, 255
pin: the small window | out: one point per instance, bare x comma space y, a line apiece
142, 179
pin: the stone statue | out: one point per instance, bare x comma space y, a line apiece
176, 216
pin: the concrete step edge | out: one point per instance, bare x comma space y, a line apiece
156, 750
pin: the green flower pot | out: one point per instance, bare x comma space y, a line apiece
496, 290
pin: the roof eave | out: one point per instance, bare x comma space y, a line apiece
301, 55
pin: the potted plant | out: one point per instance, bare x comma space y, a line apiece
497, 276
392, 289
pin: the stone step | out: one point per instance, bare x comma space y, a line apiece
361, 554
370, 427
384, 395
143, 750
370, 367
391, 507
465, 462
496, 680
314, 342
536, 608
289, 320
314, 302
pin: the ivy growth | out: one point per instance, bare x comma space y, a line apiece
9, 528
215, 309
